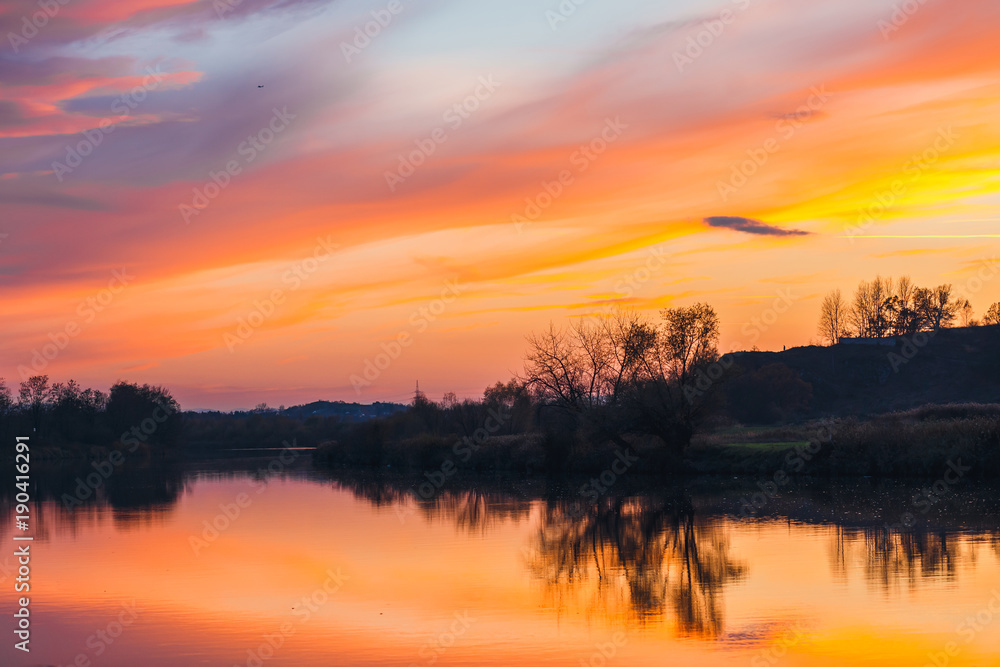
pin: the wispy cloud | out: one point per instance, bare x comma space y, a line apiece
751, 226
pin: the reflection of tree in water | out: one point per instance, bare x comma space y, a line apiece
146, 486
476, 511
473, 510
374, 488
644, 555
650, 556
138, 492
893, 557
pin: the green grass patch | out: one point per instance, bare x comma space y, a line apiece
766, 446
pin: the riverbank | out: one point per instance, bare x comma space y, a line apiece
914, 443
917, 443
84, 452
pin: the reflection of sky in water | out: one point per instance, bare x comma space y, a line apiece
536, 581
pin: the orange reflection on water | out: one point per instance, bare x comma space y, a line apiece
356, 574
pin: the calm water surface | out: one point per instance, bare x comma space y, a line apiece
355, 570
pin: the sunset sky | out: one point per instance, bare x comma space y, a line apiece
275, 196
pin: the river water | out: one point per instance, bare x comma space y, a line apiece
352, 568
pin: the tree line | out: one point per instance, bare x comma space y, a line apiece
885, 307
612, 378
623, 374
599, 385
66, 413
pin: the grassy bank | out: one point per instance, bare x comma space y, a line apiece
913, 443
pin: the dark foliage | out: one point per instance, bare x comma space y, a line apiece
68, 415
769, 394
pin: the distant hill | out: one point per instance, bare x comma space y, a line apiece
346, 411
952, 366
